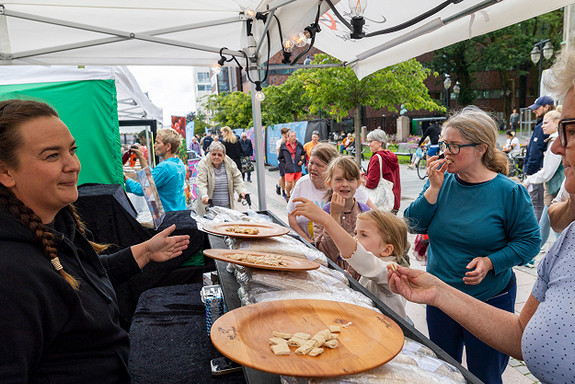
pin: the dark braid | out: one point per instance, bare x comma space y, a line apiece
81, 227
44, 237
14, 113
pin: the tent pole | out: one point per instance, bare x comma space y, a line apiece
259, 138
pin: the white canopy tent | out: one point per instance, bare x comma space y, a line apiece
192, 32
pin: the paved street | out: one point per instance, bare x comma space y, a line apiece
411, 186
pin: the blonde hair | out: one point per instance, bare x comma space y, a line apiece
392, 229
478, 127
170, 136
230, 135
555, 114
562, 73
350, 169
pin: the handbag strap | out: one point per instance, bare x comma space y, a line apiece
380, 168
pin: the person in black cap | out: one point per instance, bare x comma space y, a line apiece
537, 146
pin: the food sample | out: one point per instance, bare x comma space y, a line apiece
281, 349
273, 260
305, 345
394, 267
243, 230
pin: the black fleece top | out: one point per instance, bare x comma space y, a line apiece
50, 333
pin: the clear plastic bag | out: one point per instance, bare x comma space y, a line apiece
314, 281
282, 245
350, 297
413, 365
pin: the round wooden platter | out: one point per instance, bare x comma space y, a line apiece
371, 339
293, 263
265, 229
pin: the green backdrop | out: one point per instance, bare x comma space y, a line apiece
89, 108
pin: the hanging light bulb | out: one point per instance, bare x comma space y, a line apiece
288, 45
357, 7
216, 68
301, 39
260, 96
250, 13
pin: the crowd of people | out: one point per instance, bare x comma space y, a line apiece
480, 224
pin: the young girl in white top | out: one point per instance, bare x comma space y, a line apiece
380, 239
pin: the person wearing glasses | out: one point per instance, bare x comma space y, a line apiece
542, 334
480, 224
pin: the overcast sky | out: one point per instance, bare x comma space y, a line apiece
170, 88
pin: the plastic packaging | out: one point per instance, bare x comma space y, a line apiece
282, 245
413, 365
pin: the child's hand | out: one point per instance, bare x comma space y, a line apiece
309, 209
337, 205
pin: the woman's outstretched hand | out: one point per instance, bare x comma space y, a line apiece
416, 286
162, 247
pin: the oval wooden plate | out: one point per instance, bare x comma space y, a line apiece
370, 341
293, 263
266, 230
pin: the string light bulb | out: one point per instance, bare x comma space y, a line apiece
216, 68
250, 13
288, 45
301, 39
357, 7
259, 94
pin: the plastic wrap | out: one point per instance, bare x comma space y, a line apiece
282, 245
350, 297
413, 365
314, 281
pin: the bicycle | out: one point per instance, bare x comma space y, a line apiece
421, 165
516, 166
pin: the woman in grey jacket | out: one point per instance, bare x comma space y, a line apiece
218, 179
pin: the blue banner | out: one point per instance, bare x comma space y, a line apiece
273, 134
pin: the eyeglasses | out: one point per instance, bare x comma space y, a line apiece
454, 148
562, 128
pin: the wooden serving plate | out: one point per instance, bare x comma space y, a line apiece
293, 263
266, 230
370, 341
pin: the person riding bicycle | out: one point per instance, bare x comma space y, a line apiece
419, 153
432, 132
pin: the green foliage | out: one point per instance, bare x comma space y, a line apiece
337, 90
506, 51
233, 109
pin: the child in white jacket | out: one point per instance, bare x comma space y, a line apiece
380, 240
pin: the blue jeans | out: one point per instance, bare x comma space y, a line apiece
545, 226
483, 361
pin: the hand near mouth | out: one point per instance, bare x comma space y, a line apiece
337, 205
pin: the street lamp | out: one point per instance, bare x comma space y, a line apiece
542, 49
446, 86
456, 90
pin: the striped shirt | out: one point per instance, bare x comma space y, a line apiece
221, 197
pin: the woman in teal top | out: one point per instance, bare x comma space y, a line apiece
480, 224
169, 175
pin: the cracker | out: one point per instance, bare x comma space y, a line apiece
334, 328
306, 347
302, 335
277, 340
295, 341
282, 335
280, 349
331, 343
316, 351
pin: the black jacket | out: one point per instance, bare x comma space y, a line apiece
535, 150
51, 333
433, 132
286, 158
247, 147
234, 152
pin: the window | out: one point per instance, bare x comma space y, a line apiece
204, 87
203, 77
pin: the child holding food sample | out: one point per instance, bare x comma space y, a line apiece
343, 177
380, 240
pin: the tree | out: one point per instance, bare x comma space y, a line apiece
233, 109
199, 119
337, 90
505, 51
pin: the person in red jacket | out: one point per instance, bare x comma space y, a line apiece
377, 140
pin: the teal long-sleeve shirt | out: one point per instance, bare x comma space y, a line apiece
493, 219
169, 178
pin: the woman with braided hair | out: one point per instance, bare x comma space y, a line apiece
60, 318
